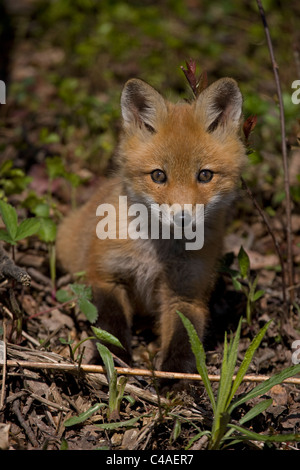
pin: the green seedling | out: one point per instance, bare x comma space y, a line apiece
69, 342
81, 295
243, 281
47, 234
223, 431
56, 169
12, 180
15, 231
48, 227
116, 384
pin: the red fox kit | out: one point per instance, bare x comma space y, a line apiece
169, 155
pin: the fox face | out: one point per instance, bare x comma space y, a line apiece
181, 155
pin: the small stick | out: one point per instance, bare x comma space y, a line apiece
2, 397
91, 368
276, 245
23, 423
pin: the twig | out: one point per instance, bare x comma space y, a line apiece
3, 358
90, 368
25, 426
276, 245
284, 154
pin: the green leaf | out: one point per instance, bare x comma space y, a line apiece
64, 445
236, 284
55, 167
227, 372
10, 219
83, 416
253, 436
4, 235
247, 360
244, 263
73, 179
41, 210
63, 295
107, 359
258, 294
89, 309
197, 437
81, 290
5, 167
119, 424
47, 231
264, 387
225, 387
66, 341
176, 430
256, 410
103, 335
27, 228
199, 353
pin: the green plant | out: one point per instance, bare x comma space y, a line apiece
47, 215
223, 431
15, 231
47, 234
116, 384
82, 295
12, 180
56, 169
244, 281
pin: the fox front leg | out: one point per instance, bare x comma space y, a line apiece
176, 354
115, 316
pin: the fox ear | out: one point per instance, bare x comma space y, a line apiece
220, 105
142, 105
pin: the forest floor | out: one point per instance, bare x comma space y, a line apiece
36, 401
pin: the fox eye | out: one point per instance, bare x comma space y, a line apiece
158, 176
205, 176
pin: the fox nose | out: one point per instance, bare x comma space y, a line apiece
182, 218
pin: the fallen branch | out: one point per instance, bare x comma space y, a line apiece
90, 368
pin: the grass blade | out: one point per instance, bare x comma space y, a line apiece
256, 410
199, 353
253, 436
119, 424
83, 416
227, 372
247, 360
267, 385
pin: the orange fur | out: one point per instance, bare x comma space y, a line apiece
159, 277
